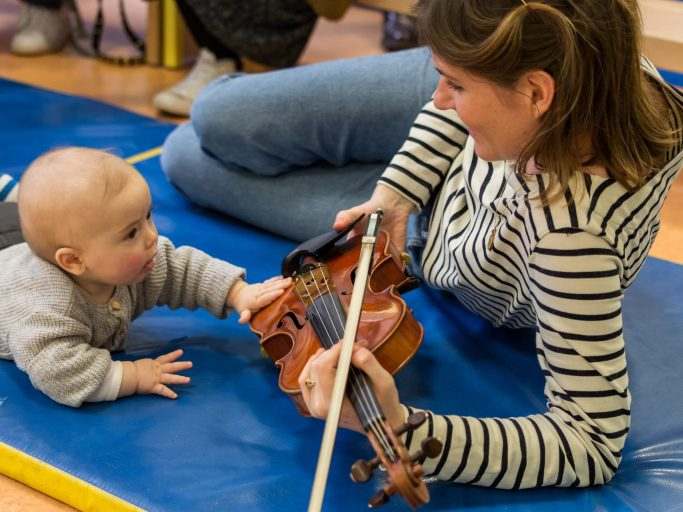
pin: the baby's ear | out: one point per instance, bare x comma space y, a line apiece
69, 260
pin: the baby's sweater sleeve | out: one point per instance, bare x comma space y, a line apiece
53, 349
189, 278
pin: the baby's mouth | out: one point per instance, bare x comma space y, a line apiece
149, 265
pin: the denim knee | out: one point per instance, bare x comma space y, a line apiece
230, 120
175, 155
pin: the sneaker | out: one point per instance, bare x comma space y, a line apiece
40, 30
178, 99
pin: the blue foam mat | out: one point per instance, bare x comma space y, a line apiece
233, 441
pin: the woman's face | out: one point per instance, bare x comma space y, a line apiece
500, 120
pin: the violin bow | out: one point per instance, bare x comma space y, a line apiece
350, 330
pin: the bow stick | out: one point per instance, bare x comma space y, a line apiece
352, 319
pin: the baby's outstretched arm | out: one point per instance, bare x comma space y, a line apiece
152, 376
247, 299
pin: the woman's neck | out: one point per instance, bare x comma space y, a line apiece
593, 169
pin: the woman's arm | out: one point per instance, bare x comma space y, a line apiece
576, 290
414, 173
434, 141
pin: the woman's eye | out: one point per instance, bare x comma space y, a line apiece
132, 233
454, 87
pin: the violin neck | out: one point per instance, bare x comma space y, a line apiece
328, 319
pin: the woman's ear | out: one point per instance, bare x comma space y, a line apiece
539, 86
69, 260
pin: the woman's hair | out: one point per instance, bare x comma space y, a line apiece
591, 48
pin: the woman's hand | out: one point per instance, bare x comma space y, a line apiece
396, 209
317, 380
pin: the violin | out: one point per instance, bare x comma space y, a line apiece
312, 314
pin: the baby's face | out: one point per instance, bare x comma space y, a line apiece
122, 246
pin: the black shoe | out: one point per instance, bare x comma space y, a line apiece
399, 32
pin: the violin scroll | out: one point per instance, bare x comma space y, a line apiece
405, 472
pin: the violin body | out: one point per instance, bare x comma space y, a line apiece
312, 314
386, 326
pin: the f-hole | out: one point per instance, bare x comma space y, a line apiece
293, 318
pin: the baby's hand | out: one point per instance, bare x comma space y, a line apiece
153, 375
247, 299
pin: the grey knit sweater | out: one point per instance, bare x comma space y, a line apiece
63, 342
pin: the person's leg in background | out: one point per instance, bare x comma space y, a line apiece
286, 150
214, 60
43, 28
272, 33
399, 32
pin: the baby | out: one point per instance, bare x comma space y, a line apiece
92, 262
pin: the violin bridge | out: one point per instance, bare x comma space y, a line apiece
313, 283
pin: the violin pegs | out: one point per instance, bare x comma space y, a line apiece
413, 421
361, 470
430, 448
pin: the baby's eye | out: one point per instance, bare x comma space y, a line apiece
149, 214
132, 233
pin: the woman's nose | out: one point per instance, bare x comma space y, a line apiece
441, 95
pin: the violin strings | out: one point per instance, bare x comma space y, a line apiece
361, 387
337, 333
369, 409
379, 434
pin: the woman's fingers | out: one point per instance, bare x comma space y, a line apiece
314, 383
382, 382
365, 360
345, 217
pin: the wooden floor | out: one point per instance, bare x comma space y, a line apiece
132, 88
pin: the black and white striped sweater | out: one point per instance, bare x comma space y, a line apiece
561, 268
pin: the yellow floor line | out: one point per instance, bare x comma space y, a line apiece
145, 155
58, 484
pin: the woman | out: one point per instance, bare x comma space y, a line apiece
539, 170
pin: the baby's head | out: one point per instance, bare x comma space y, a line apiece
88, 212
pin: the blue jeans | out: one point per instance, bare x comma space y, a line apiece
286, 150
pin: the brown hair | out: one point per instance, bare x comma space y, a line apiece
591, 48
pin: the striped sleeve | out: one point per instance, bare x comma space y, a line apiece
417, 170
575, 285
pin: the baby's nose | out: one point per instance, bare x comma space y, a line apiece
152, 236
